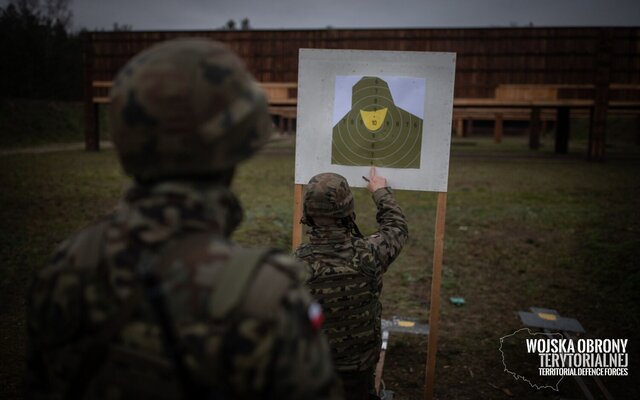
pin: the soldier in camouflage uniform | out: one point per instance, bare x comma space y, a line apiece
155, 301
345, 272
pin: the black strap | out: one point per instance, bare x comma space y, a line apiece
93, 348
153, 290
243, 262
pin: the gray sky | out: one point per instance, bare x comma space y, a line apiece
276, 14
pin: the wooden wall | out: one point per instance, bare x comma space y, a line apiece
485, 57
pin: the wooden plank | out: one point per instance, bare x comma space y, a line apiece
102, 100
102, 84
526, 92
296, 236
434, 311
490, 102
487, 57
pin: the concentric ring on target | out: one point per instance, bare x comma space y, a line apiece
357, 139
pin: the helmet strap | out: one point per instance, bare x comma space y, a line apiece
355, 231
350, 223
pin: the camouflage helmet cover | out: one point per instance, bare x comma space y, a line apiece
186, 107
328, 195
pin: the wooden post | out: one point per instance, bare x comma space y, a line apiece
460, 127
469, 127
534, 129
91, 126
379, 369
497, 130
91, 110
434, 313
281, 124
563, 126
288, 123
296, 235
602, 71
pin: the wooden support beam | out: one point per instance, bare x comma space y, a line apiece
498, 128
280, 124
91, 126
91, 109
563, 127
602, 72
534, 129
460, 127
597, 133
288, 125
434, 312
296, 236
469, 127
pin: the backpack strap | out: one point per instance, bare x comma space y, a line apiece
235, 280
88, 247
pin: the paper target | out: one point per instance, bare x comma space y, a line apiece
376, 132
387, 109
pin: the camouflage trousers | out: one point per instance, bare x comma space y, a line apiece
359, 385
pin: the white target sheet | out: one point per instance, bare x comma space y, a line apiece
387, 109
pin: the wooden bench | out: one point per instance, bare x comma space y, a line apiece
282, 98
542, 102
537, 103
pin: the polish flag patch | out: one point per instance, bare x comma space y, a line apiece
316, 316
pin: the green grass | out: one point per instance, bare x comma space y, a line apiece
521, 230
28, 123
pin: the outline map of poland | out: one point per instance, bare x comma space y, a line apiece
375, 131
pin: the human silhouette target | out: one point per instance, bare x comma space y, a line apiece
376, 131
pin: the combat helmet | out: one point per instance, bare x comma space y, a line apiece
327, 195
186, 107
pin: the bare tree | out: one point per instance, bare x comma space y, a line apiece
54, 12
122, 27
59, 11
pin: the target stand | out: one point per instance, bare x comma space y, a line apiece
387, 109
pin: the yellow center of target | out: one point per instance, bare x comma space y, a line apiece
373, 120
547, 316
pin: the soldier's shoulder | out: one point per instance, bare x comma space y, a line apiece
61, 282
365, 244
278, 277
77, 252
252, 281
303, 251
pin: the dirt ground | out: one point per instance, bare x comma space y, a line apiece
522, 230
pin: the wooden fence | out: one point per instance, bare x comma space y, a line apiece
577, 63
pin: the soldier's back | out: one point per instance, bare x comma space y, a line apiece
139, 309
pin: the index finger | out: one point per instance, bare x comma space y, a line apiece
372, 172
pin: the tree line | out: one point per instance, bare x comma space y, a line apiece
40, 54
40, 58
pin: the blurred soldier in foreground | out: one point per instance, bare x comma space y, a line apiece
155, 301
346, 272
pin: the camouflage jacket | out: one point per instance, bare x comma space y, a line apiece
345, 276
95, 330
